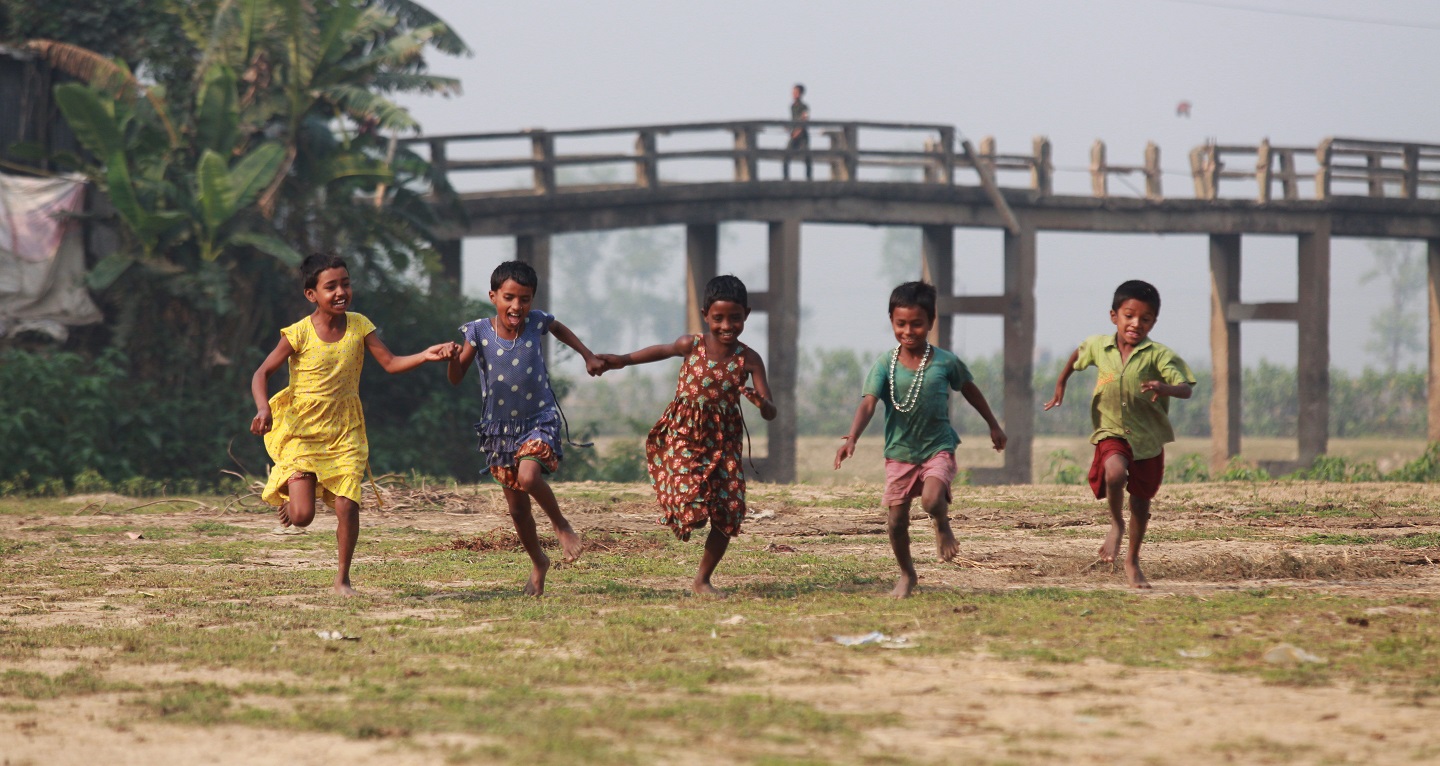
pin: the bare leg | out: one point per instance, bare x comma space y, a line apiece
300, 510
937, 507
716, 543
1117, 473
347, 531
524, 520
898, 524
532, 481
1139, 520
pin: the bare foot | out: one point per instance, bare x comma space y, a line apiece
945, 544
1111, 548
1135, 576
284, 513
535, 586
570, 543
344, 589
707, 590
904, 586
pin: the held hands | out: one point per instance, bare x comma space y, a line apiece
596, 364
260, 425
441, 352
608, 362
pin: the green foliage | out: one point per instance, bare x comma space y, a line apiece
1338, 469
1425, 468
1240, 470
1189, 469
1062, 468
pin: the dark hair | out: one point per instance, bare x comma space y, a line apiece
918, 294
519, 271
315, 263
726, 287
800, 88
1137, 290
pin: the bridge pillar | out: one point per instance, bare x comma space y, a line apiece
534, 249
1019, 414
783, 305
1224, 350
1433, 380
449, 250
702, 258
1313, 364
937, 258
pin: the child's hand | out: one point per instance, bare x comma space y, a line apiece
846, 450
997, 437
261, 424
1154, 386
595, 365
611, 361
442, 351
1056, 400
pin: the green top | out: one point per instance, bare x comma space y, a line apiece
1119, 408
799, 111
925, 431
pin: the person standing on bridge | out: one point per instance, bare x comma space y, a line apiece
799, 133
1130, 410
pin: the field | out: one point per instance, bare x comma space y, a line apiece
139, 632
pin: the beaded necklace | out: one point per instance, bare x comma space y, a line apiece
912, 396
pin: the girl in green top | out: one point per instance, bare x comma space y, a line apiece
914, 381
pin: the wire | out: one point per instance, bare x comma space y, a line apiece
1308, 15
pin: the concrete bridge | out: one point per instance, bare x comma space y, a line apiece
702, 174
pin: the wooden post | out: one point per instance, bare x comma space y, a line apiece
1224, 350
1313, 318
1098, 180
1433, 380
542, 151
839, 171
534, 249
647, 174
1322, 169
1042, 173
1197, 172
929, 172
1262, 171
1374, 180
1289, 183
449, 250
985, 169
745, 162
1019, 408
937, 263
702, 258
1410, 188
1153, 173
782, 362
438, 161
947, 156
852, 152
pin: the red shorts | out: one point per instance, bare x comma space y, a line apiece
1145, 475
904, 481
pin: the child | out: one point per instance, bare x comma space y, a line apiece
693, 453
316, 434
914, 381
520, 427
1131, 429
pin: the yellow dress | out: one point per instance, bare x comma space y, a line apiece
317, 424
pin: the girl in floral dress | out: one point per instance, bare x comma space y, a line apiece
314, 428
693, 453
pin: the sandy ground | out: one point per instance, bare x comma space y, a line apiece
967, 709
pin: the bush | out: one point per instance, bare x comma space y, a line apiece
1424, 468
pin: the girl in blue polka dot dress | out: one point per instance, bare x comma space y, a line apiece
520, 427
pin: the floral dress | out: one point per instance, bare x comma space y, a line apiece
693, 453
318, 426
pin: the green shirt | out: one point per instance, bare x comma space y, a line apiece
1119, 408
924, 431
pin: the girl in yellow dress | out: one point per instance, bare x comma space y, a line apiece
316, 434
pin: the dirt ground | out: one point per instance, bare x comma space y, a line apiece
974, 708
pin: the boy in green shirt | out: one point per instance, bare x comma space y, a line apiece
1130, 411
914, 381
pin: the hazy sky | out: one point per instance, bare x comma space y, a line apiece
1108, 69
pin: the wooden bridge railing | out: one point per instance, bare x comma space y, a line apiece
1337, 165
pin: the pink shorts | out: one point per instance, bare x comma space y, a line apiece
904, 481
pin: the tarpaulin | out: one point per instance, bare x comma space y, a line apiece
42, 256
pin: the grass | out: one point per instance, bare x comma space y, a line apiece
618, 663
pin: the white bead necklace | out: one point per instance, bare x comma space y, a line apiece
912, 396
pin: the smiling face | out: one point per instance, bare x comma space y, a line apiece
1133, 321
512, 304
331, 293
912, 328
725, 320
